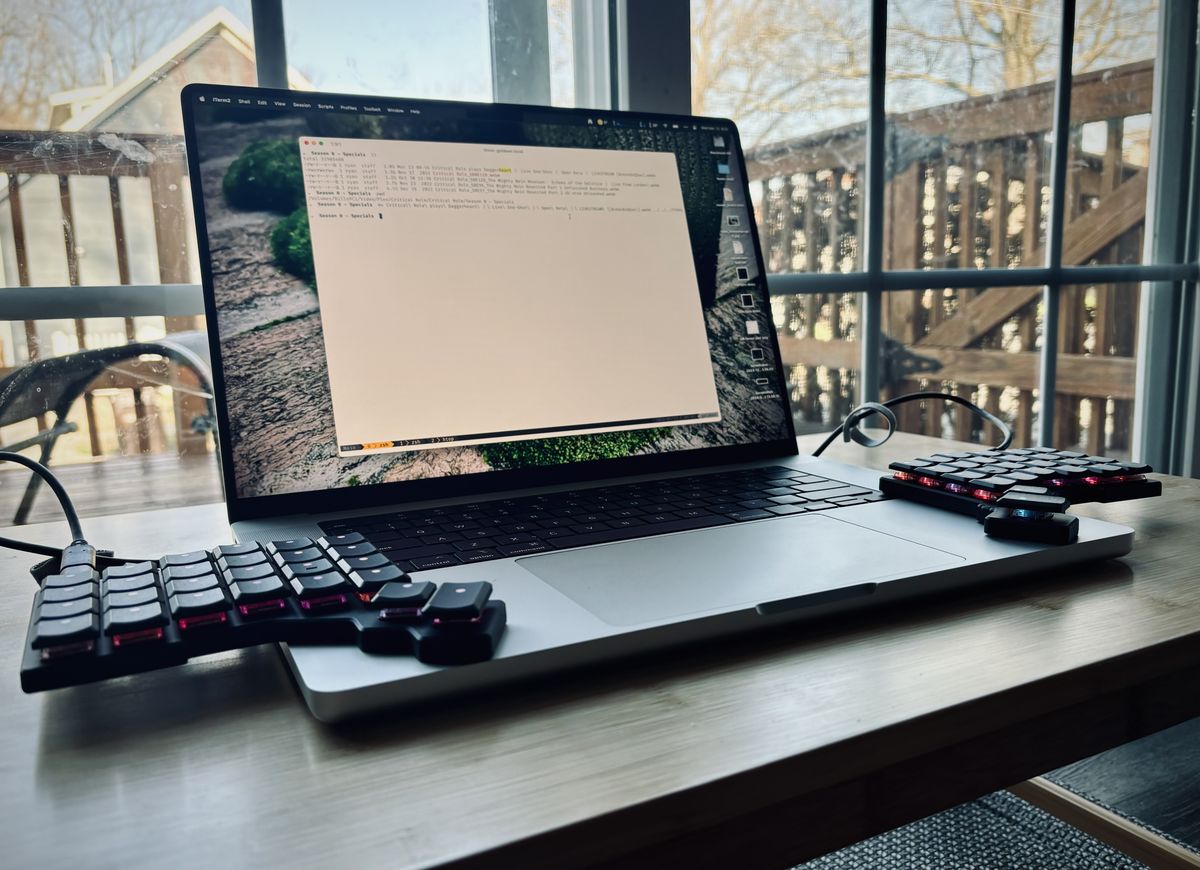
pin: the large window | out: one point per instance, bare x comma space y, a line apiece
1007, 214
997, 199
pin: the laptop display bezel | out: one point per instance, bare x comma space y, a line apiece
325, 501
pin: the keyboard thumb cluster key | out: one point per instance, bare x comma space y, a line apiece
89, 625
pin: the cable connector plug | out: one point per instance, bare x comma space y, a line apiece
78, 553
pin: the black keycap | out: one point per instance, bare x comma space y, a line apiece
428, 563
374, 578
820, 505
292, 544
579, 528
458, 602
180, 559
362, 563
787, 499
994, 483
755, 503
781, 510
198, 603
122, 619
228, 550
192, 584
407, 596
58, 632
304, 554
132, 598
56, 581
242, 560
68, 593
343, 538
80, 573
63, 609
485, 555
253, 572
313, 585
302, 569
359, 548
854, 490
743, 516
400, 554
1040, 473
473, 544
185, 571
1033, 503
248, 591
128, 584
659, 518
133, 569
938, 469
523, 548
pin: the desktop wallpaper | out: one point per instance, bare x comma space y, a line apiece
277, 393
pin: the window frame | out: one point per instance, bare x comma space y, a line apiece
647, 46
1167, 411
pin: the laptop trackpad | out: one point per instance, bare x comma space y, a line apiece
804, 559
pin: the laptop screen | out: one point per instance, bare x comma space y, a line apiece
411, 290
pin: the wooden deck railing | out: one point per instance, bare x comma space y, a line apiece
161, 160
936, 218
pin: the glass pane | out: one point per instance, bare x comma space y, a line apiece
793, 75
93, 193
982, 345
397, 49
1097, 349
819, 344
1109, 157
969, 95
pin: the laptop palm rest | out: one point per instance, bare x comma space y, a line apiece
773, 565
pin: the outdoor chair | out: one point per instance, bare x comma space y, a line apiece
51, 386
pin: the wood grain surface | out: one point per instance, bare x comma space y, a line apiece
747, 752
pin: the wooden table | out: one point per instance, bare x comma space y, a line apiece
742, 753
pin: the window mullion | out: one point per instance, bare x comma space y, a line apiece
653, 48
1157, 438
270, 51
1048, 374
871, 308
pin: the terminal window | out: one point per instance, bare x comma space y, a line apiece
474, 293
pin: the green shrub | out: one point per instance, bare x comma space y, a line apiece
266, 176
574, 448
291, 243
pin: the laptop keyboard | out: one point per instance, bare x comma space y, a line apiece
424, 539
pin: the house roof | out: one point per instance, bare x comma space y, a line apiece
220, 23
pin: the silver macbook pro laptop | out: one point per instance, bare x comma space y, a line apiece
531, 346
